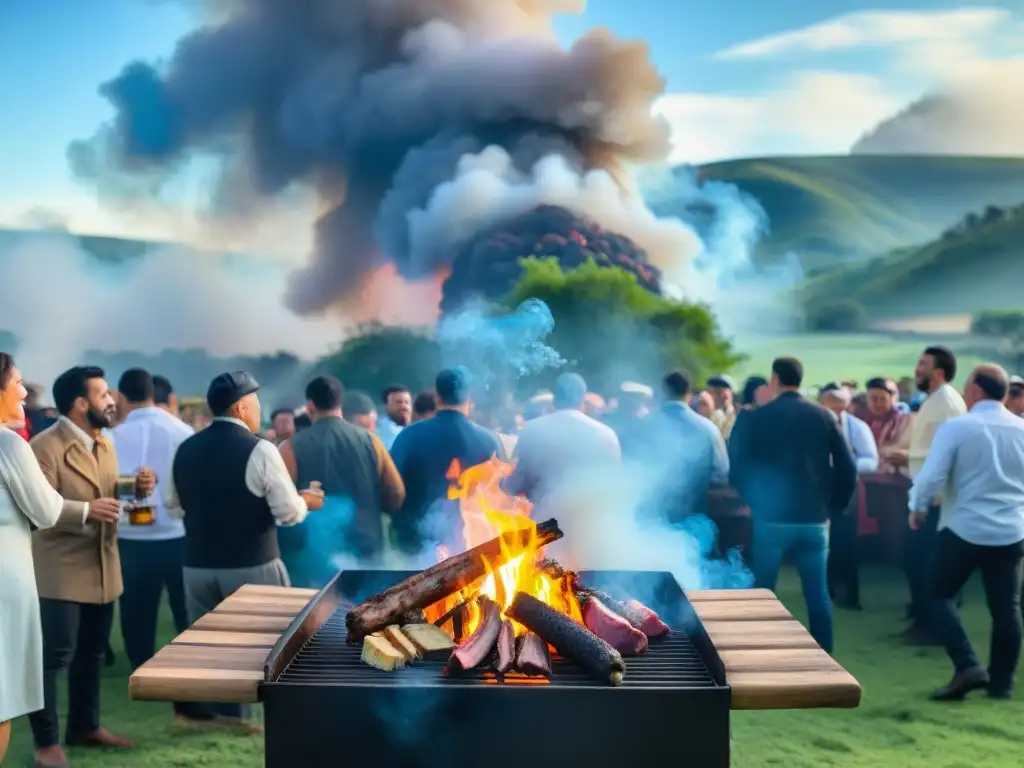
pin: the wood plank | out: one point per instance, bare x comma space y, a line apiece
175, 656
231, 605
741, 610
705, 595
794, 690
153, 683
216, 621
221, 639
740, 635
269, 589
777, 660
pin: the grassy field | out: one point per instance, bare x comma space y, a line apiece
895, 725
829, 356
826, 209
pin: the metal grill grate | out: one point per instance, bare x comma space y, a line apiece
327, 659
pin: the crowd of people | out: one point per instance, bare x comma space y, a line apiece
290, 499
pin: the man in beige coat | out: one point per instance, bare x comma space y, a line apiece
78, 572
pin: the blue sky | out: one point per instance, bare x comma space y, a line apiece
743, 79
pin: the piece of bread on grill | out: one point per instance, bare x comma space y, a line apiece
381, 654
397, 638
429, 640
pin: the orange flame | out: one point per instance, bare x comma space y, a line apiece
487, 513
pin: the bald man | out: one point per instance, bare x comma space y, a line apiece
979, 459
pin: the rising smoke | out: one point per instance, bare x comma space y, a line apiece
416, 122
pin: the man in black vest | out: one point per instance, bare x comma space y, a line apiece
232, 490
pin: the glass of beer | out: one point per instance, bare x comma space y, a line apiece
140, 512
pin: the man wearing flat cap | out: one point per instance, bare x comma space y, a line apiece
232, 489
722, 388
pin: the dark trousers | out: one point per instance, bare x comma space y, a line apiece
917, 559
148, 568
843, 559
74, 638
1002, 568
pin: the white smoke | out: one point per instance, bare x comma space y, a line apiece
487, 188
60, 301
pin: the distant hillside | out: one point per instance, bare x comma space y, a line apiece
828, 209
978, 264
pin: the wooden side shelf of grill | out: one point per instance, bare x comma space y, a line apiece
771, 661
220, 658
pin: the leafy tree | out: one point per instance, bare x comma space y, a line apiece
377, 355
836, 316
1006, 326
610, 329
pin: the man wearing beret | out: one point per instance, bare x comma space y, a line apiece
232, 489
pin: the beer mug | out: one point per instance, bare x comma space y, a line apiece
141, 512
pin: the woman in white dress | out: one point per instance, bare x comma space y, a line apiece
25, 499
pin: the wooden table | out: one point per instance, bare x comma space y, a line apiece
771, 662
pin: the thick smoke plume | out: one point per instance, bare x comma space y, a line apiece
416, 122
983, 118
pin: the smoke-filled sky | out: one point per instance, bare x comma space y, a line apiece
746, 78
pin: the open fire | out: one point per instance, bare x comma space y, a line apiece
500, 606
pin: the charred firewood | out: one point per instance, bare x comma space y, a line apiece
532, 655
454, 615
569, 638
639, 616
413, 617
506, 648
474, 650
439, 581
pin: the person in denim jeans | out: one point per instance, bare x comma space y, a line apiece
792, 466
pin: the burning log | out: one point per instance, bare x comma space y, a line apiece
476, 648
506, 646
569, 638
532, 656
612, 628
639, 616
456, 616
447, 577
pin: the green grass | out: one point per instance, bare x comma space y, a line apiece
894, 726
826, 209
831, 356
965, 274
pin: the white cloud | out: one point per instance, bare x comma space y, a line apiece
873, 28
817, 112
970, 54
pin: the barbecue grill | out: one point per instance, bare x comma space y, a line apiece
325, 707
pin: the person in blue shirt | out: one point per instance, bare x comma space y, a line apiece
423, 453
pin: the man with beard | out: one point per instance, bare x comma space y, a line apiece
78, 571
397, 413
933, 375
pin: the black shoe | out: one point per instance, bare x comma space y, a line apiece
963, 682
917, 635
1002, 692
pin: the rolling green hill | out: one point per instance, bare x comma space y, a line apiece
842, 208
961, 272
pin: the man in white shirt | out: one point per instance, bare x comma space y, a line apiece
843, 565
397, 402
152, 555
981, 456
934, 374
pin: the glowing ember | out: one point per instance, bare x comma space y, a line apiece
487, 513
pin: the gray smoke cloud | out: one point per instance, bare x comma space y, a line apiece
373, 104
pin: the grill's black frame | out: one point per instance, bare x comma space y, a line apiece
491, 726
